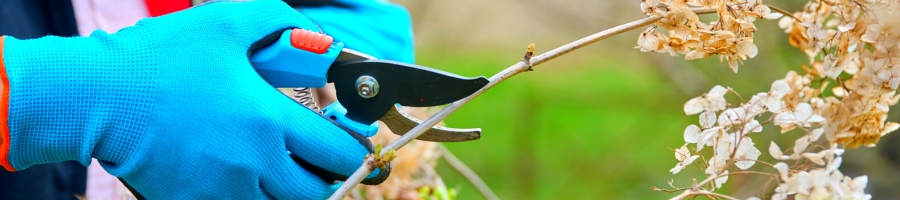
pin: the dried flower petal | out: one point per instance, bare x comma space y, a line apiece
682, 153
775, 151
684, 159
693, 106
713, 101
846, 26
890, 127
801, 144
752, 126
816, 134
707, 119
803, 111
860, 182
834, 164
782, 169
733, 116
708, 137
780, 88
815, 157
725, 146
722, 179
802, 114
696, 54
746, 154
773, 15
832, 66
872, 33
692, 134
677, 168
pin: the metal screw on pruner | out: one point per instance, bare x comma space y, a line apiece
366, 86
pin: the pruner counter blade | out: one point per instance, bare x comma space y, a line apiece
400, 123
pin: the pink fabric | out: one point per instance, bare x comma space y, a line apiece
102, 185
109, 16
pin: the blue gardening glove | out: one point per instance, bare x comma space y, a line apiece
353, 22
173, 107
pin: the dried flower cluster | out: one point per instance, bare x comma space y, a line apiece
730, 37
858, 39
853, 43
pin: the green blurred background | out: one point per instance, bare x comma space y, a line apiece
596, 123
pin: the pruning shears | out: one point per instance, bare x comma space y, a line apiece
367, 89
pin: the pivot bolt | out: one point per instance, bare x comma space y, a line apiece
366, 86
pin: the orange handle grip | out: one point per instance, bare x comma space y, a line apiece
310, 41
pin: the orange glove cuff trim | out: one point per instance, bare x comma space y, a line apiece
4, 113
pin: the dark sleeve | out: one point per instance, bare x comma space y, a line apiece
27, 19
33, 19
48, 181
313, 3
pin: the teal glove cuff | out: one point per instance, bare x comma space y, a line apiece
66, 93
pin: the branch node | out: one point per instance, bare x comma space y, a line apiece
380, 159
528, 53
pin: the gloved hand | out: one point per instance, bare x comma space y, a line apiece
173, 107
353, 22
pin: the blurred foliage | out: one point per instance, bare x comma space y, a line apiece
547, 131
596, 129
596, 123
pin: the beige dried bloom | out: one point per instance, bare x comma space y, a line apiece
799, 115
728, 134
820, 183
713, 101
776, 152
746, 154
706, 134
851, 43
684, 159
731, 37
772, 100
650, 41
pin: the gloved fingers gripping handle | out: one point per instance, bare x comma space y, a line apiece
331, 151
264, 42
292, 61
304, 54
321, 146
288, 180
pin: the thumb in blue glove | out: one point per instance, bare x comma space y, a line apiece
172, 107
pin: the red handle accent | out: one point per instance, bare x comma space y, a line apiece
310, 41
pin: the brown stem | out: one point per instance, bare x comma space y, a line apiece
467, 172
501, 76
782, 11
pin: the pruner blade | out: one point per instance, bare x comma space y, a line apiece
390, 83
400, 123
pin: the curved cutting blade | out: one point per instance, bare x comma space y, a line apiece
400, 123
406, 84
